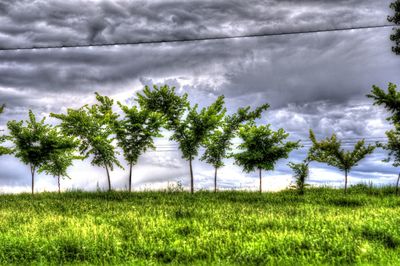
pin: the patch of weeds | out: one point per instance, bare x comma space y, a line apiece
183, 213
381, 236
346, 202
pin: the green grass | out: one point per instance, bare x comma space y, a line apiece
321, 227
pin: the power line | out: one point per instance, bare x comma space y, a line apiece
256, 35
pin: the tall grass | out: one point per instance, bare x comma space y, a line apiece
321, 227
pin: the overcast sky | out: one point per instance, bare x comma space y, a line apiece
316, 81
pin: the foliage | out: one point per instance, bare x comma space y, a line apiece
391, 102
165, 101
135, 133
35, 143
262, 148
329, 151
301, 172
92, 125
227, 228
3, 150
395, 37
29, 140
190, 127
62, 157
193, 130
219, 142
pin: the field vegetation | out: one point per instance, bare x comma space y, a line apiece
323, 226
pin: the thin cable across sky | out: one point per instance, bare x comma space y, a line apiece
255, 35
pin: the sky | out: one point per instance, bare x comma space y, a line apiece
311, 81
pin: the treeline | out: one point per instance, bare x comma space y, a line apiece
93, 130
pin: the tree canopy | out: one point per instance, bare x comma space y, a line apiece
395, 36
136, 132
301, 172
61, 157
390, 100
3, 150
329, 151
35, 143
92, 125
219, 143
192, 132
262, 148
165, 101
190, 126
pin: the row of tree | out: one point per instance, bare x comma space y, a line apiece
92, 131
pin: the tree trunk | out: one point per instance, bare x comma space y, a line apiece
260, 181
108, 178
345, 181
130, 177
215, 179
191, 176
397, 185
59, 187
33, 178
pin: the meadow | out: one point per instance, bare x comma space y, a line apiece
324, 226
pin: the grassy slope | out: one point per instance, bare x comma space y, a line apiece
322, 227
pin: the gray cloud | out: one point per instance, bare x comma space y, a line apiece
84, 21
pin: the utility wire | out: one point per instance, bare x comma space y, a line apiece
255, 35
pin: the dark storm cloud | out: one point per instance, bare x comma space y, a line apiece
325, 66
251, 65
33, 23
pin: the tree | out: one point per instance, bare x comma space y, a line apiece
192, 132
93, 126
135, 133
301, 172
33, 142
262, 148
61, 157
329, 151
391, 102
165, 101
3, 150
395, 37
218, 144
189, 131
393, 146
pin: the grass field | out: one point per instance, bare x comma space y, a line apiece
321, 227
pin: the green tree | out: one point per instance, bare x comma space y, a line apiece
33, 142
190, 127
3, 150
165, 101
192, 132
395, 37
135, 133
61, 157
390, 100
301, 172
262, 148
329, 151
93, 126
219, 143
